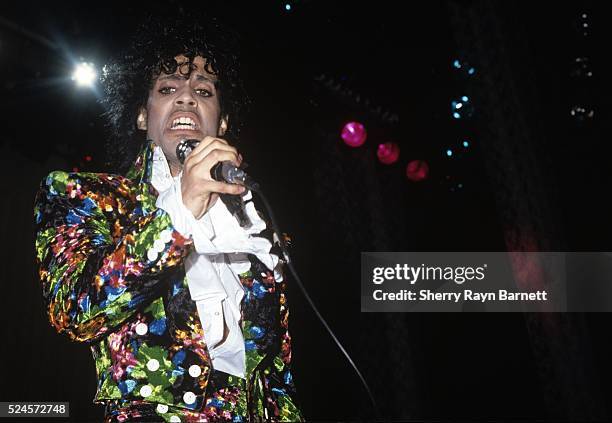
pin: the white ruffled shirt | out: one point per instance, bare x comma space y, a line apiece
221, 248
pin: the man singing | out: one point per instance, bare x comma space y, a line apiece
182, 304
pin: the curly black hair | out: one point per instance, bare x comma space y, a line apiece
128, 78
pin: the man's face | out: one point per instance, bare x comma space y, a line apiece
181, 107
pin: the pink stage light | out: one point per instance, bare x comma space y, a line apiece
417, 170
354, 134
388, 153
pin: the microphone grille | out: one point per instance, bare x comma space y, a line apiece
184, 148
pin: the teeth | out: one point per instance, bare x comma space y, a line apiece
183, 123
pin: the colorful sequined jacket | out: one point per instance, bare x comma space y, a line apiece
112, 274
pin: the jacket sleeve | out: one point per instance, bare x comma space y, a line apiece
99, 255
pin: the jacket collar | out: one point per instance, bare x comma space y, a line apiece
140, 173
141, 169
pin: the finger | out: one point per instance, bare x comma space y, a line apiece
202, 144
225, 188
198, 156
206, 141
216, 156
202, 168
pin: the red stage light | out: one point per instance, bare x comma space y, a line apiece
417, 170
388, 153
354, 134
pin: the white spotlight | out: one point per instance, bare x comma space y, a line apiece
84, 74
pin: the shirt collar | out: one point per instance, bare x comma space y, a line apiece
161, 177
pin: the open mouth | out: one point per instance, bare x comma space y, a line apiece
184, 123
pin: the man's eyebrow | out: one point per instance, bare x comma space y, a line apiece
173, 77
201, 77
176, 77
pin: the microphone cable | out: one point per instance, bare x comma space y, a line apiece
283, 246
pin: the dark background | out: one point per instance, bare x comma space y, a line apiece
533, 178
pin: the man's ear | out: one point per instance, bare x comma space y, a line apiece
141, 120
223, 125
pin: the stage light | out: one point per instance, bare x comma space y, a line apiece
581, 113
581, 68
462, 107
354, 134
388, 153
463, 67
84, 74
449, 152
466, 144
417, 170
287, 7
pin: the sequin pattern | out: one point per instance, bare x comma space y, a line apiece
110, 266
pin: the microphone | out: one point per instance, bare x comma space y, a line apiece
227, 172
223, 171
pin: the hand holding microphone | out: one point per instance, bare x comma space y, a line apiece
223, 171
198, 187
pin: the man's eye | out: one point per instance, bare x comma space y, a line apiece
166, 90
203, 92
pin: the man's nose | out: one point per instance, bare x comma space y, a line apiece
186, 96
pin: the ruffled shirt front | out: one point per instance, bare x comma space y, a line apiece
221, 248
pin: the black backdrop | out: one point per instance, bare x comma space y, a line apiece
535, 178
